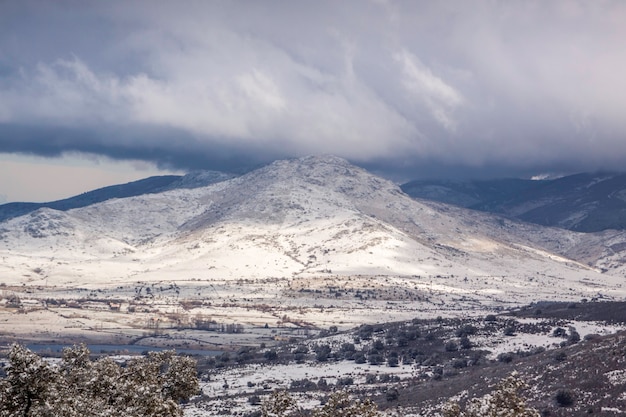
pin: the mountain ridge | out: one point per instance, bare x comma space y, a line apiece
585, 202
150, 185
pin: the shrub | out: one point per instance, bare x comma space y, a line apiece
392, 394
509, 331
451, 346
378, 345
301, 349
375, 359
322, 352
392, 361
465, 330
348, 347
303, 384
459, 364
345, 381
490, 317
322, 384
270, 355
359, 358
564, 398
465, 342
365, 331
370, 378
574, 336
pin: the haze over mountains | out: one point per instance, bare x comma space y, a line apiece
301, 219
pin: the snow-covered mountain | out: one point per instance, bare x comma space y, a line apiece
304, 219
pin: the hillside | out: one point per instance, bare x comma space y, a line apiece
589, 202
414, 367
145, 186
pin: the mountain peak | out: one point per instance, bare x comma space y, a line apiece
313, 163
324, 159
326, 173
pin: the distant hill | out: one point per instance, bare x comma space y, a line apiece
149, 185
588, 202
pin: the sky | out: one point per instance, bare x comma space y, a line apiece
101, 92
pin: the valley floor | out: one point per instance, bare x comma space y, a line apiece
226, 314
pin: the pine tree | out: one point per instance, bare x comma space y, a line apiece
280, 404
339, 404
503, 401
150, 386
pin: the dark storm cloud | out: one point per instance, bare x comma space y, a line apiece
169, 148
408, 88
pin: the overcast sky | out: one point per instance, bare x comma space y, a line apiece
408, 89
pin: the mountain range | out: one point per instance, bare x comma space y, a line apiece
150, 185
301, 219
587, 202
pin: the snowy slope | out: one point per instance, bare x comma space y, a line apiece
297, 219
135, 188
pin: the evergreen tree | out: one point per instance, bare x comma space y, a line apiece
339, 404
503, 401
150, 386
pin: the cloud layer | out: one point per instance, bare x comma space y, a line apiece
517, 86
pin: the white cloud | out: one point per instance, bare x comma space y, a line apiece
262, 91
440, 98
